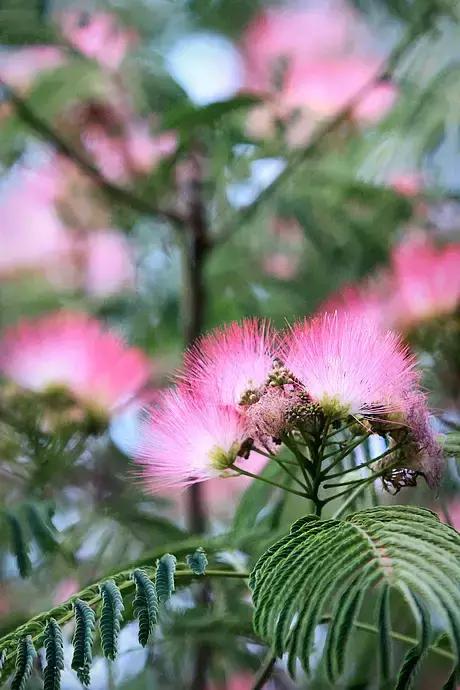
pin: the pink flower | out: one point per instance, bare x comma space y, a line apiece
231, 363
133, 151
20, 66
145, 151
65, 589
407, 184
425, 281
73, 351
282, 266
326, 87
308, 64
187, 439
108, 260
32, 235
350, 366
98, 36
292, 34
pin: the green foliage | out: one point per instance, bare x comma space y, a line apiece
54, 650
85, 621
19, 545
197, 561
42, 529
322, 570
25, 657
111, 617
164, 581
145, 605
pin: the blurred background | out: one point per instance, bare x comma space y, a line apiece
167, 167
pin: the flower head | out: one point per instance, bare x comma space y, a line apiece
185, 439
72, 351
426, 281
232, 363
349, 366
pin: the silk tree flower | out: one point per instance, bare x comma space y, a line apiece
73, 352
349, 366
425, 281
19, 67
108, 265
186, 439
308, 64
231, 364
32, 236
98, 36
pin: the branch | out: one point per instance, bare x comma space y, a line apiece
91, 595
298, 157
120, 194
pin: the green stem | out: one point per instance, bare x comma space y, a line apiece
268, 481
65, 612
366, 464
349, 449
302, 461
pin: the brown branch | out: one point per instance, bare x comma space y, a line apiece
119, 194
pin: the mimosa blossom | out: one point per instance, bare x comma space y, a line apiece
73, 352
307, 63
98, 36
421, 283
348, 366
185, 439
231, 363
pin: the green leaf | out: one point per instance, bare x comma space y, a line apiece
42, 529
322, 570
192, 116
54, 651
25, 657
83, 640
145, 605
19, 545
164, 580
197, 561
111, 617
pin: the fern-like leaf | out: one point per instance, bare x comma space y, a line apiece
111, 617
25, 657
197, 561
83, 640
42, 529
326, 568
164, 580
19, 545
54, 651
145, 605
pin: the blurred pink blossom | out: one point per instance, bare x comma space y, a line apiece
280, 265
98, 36
108, 263
31, 233
73, 351
134, 150
421, 283
426, 280
309, 62
20, 66
407, 183
65, 589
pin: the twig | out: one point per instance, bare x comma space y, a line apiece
264, 671
117, 193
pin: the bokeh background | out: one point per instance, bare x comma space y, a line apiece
167, 167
